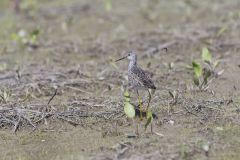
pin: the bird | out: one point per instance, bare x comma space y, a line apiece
138, 79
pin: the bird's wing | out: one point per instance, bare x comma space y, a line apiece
143, 78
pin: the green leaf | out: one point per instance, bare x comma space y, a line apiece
149, 114
34, 35
126, 96
129, 110
197, 69
35, 32
206, 55
149, 119
221, 31
15, 37
108, 5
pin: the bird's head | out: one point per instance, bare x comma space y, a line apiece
131, 55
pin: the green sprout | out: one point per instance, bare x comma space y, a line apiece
4, 95
206, 55
130, 111
108, 5
128, 107
25, 38
149, 119
197, 69
174, 96
33, 36
210, 64
222, 30
204, 73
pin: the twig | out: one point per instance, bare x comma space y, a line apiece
44, 117
29, 121
16, 125
190, 111
69, 121
55, 93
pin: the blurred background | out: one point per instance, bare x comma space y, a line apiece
110, 26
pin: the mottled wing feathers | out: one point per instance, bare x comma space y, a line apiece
137, 77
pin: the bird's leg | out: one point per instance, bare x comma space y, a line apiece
137, 130
140, 104
149, 100
136, 127
151, 127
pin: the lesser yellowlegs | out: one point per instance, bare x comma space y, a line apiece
137, 78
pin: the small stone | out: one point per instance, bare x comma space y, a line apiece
219, 128
205, 147
171, 122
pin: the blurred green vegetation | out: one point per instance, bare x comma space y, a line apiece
4, 4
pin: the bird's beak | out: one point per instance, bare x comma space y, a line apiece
121, 59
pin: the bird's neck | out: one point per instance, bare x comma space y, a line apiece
132, 63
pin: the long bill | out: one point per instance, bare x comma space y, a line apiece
121, 59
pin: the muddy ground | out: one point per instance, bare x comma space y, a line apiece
74, 54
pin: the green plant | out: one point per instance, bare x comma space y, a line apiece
204, 73
184, 151
174, 96
130, 111
26, 38
108, 5
149, 119
5, 95
128, 107
210, 63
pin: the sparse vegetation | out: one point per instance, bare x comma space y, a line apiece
130, 111
205, 73
5, 95
26, 39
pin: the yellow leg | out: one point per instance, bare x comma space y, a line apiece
137, 130
140, 105
135, 123
149, 100
152, 127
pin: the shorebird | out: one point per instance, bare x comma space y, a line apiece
138, 78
